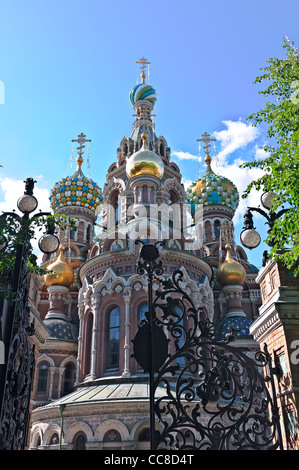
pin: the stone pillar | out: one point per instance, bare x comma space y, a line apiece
95, 303
57, 298
80, 314
127, 298
52, 371
61, 372
233, 295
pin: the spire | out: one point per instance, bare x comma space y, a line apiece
81, 141
206, 139
144, 65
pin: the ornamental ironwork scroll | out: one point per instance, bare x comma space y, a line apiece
19, 366
208, 394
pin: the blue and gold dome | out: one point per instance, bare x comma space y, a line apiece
212, 190
76, 190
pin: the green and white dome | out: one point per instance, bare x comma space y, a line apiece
213, 190
143, 92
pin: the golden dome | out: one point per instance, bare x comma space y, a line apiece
63, 274
145, 162
230, 272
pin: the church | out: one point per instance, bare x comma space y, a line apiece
89, 392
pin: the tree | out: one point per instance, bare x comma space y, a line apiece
281, 166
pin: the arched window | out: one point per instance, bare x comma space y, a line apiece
144, 435
113, 339
89, 325
141, 312
217, 228
68, 379
116, 210
79, 442
54, 439
88, 235
112, 436
43, 378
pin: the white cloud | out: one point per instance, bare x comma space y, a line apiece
186, 183
185, 156
237, 135
260, 153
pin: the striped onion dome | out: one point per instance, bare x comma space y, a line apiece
143, 91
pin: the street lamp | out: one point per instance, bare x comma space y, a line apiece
249, 237
16, 373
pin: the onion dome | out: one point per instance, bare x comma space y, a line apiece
213, 190
76, 190
230, 272
145, 162
240, 323
142, 91
62, 275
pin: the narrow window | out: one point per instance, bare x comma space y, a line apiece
43, 378
113, 339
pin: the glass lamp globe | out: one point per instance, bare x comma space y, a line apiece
267, 199
250, 238
48, 243
27, 203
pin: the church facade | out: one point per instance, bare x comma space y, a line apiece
89, 392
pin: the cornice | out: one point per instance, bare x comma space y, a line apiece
180, 258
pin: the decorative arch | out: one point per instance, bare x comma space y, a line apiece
109, 424
37, 434
49, 432
75, 428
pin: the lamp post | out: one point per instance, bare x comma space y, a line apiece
16, 373
150, 337
249, 237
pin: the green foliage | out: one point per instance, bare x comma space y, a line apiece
281, 166
20, 230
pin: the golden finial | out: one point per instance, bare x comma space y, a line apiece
144, 139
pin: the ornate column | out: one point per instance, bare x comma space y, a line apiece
80, 314
127, 297
60, 372
95, 303
57, 298
52, 371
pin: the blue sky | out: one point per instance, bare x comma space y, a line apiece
68, 67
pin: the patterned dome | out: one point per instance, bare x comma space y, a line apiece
212, 190
143, 92
238, 323
76, 190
